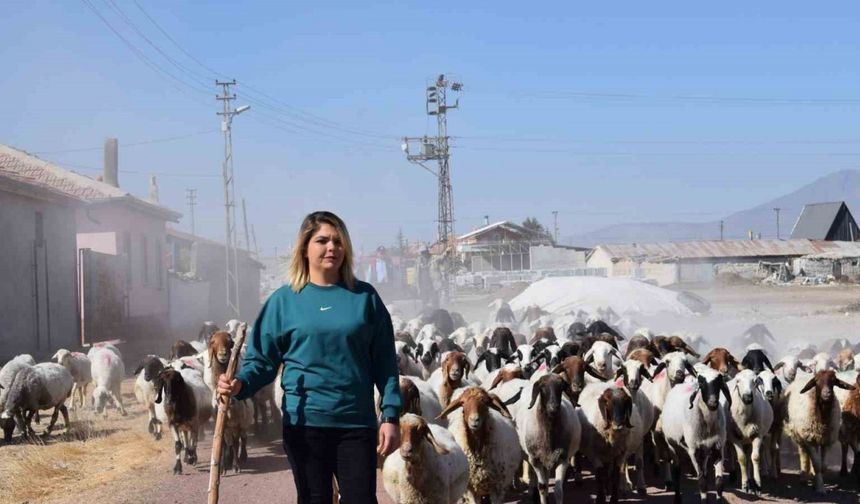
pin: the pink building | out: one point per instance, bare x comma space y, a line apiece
122, 278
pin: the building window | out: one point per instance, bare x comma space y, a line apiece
40, 229
145, 254
159, 265
126, 238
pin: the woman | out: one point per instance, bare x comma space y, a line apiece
334, 337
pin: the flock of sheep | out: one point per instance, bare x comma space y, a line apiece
489, 410
178, 392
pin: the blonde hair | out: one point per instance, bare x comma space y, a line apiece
299, 272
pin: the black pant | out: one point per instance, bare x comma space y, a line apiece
317, 453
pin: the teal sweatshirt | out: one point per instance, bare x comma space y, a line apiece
336, 344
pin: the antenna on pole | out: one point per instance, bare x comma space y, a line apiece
419, 150
230, 242
191, 195
777, 209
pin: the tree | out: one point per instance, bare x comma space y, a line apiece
536, 228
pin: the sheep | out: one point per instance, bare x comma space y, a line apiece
43, 386
629, 377
181, 348
428, 403
7, 375
79, 366
105, 345
813, 420
406, 362
108, 371
756, 361
789, 365
749, 418
206, 331
821, 361
239, 413
427, 355
183, 402
573, 369
693, 422
772, 387
639, 341
549, 433
849, 431
486, 434
721, 360
845, 359
600, 357
503, 340
453, 374
608, 419
600, 327
429, 467
489, 363
145, 389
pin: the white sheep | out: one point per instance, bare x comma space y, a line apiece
108, 371
145, 390
600, 357
482, 427
772, 387
822, 361
789, 365
749, 419
813, 420
630, 376
694, 423
40, 387
79, 366
549, 433
429, 467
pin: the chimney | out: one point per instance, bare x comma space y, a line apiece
111, 166
486, 220
153, 189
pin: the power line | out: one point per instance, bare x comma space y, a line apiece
687, 98
132, 144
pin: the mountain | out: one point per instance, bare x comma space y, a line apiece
838, 186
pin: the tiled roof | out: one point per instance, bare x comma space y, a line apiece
22, 165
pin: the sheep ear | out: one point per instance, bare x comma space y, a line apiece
499, 406
725, 389
441, 450
535, 394
707, 360
496, 381
778, 366
808, 386
139, 368
841, 384
767, 363
595, 374
456, 403
468, 368
644, 372
160, 387
759, 382
516, 397
602, 406
805, 367
569, 393
777, 385
690, 351
660, 367
693, 398
481, 359
616, 353
558, 369
621, 372
690, 368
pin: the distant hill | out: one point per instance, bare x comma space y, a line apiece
838, 186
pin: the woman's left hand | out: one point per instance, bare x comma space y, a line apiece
389, 438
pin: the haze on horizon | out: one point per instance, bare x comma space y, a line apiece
675, 112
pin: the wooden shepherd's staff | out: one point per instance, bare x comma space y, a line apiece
223, 404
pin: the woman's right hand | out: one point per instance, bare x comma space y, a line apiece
228, 387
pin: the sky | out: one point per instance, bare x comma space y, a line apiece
605, 112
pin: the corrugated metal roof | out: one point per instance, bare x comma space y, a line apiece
504, 224
815, 220
729, 248
14, 162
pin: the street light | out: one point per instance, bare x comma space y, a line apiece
241, 109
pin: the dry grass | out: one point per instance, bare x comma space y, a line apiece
95, 456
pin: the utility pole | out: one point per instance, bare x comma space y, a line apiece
245, 219
436, 149
230, 242
777, 209
555, 225
254, 237
191, 195
722, 226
